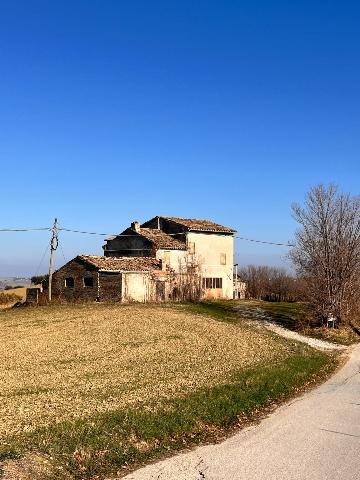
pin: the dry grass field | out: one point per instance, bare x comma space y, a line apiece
66, 364
69, 362
19, 292
11, 296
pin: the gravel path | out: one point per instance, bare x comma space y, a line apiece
261, 319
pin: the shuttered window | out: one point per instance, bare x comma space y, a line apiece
212, 282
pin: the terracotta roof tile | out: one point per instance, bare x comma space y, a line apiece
200, 225
162, 239
115, 264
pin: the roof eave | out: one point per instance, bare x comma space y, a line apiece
128, 271
203, 230
192, 229
181, 249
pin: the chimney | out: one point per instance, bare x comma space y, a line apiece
135, 226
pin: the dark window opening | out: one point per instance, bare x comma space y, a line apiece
88, 282
69, 282
212, 282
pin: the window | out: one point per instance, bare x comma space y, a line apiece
69, 282
212, 282
191, 247
88, 282
222, 258
166, 257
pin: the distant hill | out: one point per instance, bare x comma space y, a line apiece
14, 282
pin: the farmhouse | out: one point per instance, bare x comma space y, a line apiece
165, 258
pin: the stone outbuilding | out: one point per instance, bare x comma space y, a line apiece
109, 279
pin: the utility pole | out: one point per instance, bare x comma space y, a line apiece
54, 241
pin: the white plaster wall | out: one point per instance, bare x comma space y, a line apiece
208, 249
176, 256
135, 287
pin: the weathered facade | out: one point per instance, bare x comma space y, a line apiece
182, 243
96, 278
166, 258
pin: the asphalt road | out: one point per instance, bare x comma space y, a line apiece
314, 437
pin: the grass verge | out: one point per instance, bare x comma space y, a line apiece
111, 442
292, 315
298, 316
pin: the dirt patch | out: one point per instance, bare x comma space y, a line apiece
30, 467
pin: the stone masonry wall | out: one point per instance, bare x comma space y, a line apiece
79, 292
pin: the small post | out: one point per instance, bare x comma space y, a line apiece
53, 246
236, 281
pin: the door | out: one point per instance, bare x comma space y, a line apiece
160, 291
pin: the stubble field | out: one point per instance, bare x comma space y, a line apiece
63, 363
93, 389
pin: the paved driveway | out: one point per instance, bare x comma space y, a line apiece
315, 437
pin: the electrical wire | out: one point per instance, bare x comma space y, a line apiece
62, 251
266, 242
110, 234
24, 229
64, 229
173, 234
42, 259
91, 233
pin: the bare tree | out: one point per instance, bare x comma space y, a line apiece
257, 280
270, 283
327, 250
187, 282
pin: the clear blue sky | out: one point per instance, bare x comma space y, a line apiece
119, 110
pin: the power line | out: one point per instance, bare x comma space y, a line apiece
173, 234
170, 234
24, 229
62, 251
64, 229
264, 241
42, 259
92, 233
111, 234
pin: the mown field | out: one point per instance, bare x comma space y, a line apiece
87, 391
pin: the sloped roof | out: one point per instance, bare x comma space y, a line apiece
162, 239
159, 238
116, 264
200, 225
